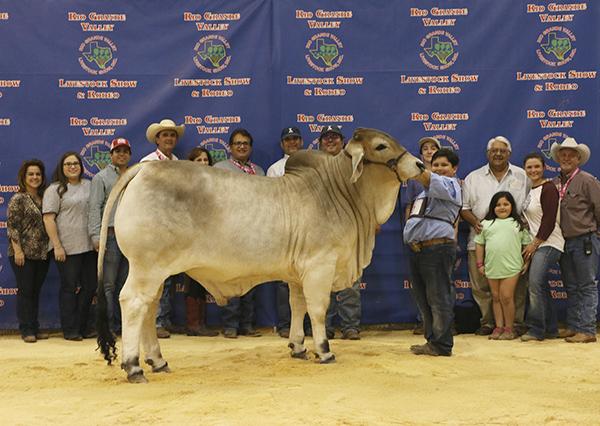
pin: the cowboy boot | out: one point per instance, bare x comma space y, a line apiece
192, 316
202, 329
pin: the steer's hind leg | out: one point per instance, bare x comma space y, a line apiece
316, 293
298, 308
136, 298
153, 356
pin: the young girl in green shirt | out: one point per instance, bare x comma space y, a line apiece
499, 258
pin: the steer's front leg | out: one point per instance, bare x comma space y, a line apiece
317, 289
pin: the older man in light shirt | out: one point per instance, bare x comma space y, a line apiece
479, 187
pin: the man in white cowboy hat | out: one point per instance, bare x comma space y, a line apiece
478, 188
165, 135
579, 219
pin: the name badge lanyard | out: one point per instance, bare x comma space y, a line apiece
562, 189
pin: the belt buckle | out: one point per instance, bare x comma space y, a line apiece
416, 247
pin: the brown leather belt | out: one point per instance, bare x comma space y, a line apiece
417, 247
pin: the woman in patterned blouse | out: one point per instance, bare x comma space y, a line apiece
28, 246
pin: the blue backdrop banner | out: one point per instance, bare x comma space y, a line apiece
75, 74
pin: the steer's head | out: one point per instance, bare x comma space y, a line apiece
376, 147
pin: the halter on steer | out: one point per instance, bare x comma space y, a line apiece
390, 164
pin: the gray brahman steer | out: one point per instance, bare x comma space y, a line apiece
313, 228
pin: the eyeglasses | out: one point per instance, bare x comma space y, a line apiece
244, 143
331, 137
498, 151
71, 164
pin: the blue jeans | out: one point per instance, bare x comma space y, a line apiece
30, 278
283, 309
432, 289
163, 316
541, 315
78, 282
579, 272
346, 304
115, 270
238, 314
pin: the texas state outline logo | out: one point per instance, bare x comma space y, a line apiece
325, 52
95, 156
556, 46
447, 142
217, 148
439, 50
211, 53
544, 145
97, 55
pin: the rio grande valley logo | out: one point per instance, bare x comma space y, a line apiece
556, 46
447, 142
545, 144
439, 50
211, 53
96, 156
325, 52
217, 147
97, 55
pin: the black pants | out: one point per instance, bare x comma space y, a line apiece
78, 282
30, 278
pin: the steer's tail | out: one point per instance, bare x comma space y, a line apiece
106, 339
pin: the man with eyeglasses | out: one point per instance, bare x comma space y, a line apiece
344, 303
115, 265
478, 188
238, 314
165, 135
290, 142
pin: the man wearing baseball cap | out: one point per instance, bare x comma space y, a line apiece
115, 264
345, 303
290, 142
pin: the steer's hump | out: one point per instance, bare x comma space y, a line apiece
305, 158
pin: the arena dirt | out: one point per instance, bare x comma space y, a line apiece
253, 381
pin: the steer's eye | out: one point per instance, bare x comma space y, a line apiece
381, 147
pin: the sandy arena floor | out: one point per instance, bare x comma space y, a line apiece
253, 381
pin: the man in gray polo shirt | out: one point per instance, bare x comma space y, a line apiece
115, 265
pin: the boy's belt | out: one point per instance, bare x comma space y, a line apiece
417, 247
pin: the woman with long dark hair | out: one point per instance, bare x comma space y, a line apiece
541, 209
28, 246
65, 209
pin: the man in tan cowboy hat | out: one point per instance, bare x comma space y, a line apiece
165, 135
579, 219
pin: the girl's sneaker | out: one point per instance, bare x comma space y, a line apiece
508, 334
496, 333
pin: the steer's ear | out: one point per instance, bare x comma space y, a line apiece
357, 152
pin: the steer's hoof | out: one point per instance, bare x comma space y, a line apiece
326, 359
137, 377
300, 355
164, 369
